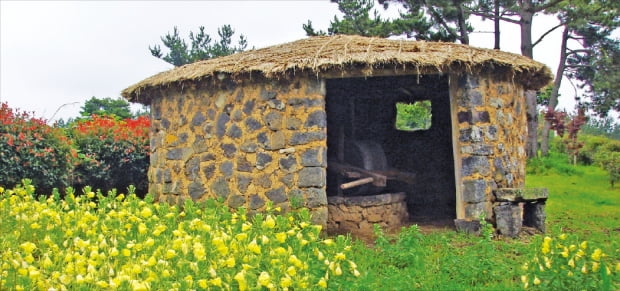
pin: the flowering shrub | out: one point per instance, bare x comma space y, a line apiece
122, 242
29, 148
113, 153
563, 264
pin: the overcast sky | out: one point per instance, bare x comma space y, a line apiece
54, 53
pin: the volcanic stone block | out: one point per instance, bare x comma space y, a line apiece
273, 120
192, 168
243, 181
198, 119
468, 226
300, 138
317, 118
474, 210
256, 202
243, 165
521, 194
179, 154
208, 171
311, 177
316, 197
508, 218
262, 160
476, 164
248, 107
222, 120
474, 191
288, 164
226, 168
312, 158
196, 190
252, 124
220, 187
248, 147
234, 131
534, 215
267, 95
229, 150
293, 123
236, 201
276, 195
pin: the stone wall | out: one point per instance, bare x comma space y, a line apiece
246, 144
358, 214
491, 139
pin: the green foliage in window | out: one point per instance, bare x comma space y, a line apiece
413, 116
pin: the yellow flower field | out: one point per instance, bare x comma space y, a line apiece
109, 242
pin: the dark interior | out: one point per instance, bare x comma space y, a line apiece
363, 111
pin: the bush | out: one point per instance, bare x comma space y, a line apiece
610, 162
564, 263
592, 145
29, 148
113, 153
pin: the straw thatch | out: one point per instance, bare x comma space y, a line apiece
334, 54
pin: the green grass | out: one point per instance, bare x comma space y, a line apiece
581, 204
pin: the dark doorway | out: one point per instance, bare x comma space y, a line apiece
362, 113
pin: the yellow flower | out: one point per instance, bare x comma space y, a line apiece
618, 267
170, 254
113, 252
322, 283
241, 236
28, 247
254, 247
584, 269
565, 252
286, 282
269, 222
246, 226
356, 273
139, 286
583, 245
571, 263
216, 282
340, 256
142, 228
562, 236
264, 279
338, 270
596, 255
536, 281
281, 237
146, 212
151, 262
295, 261
203, 283
328, 242
291, 271
240, 278
230, 262
595, 266
199, 252
126, 252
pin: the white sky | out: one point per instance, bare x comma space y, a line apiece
54, 53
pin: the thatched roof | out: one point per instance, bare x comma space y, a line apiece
334, 54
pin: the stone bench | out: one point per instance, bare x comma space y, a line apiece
517, 207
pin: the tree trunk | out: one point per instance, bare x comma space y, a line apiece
553, 98
464, 36
496, 22
526, 14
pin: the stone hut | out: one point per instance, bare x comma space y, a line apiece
311, 123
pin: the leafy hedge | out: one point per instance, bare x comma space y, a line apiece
104, 152
29, 148
113, 153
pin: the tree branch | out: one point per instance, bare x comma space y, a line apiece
550, 4
547, 33
491, 16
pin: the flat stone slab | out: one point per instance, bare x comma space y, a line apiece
364, 201
520, 194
